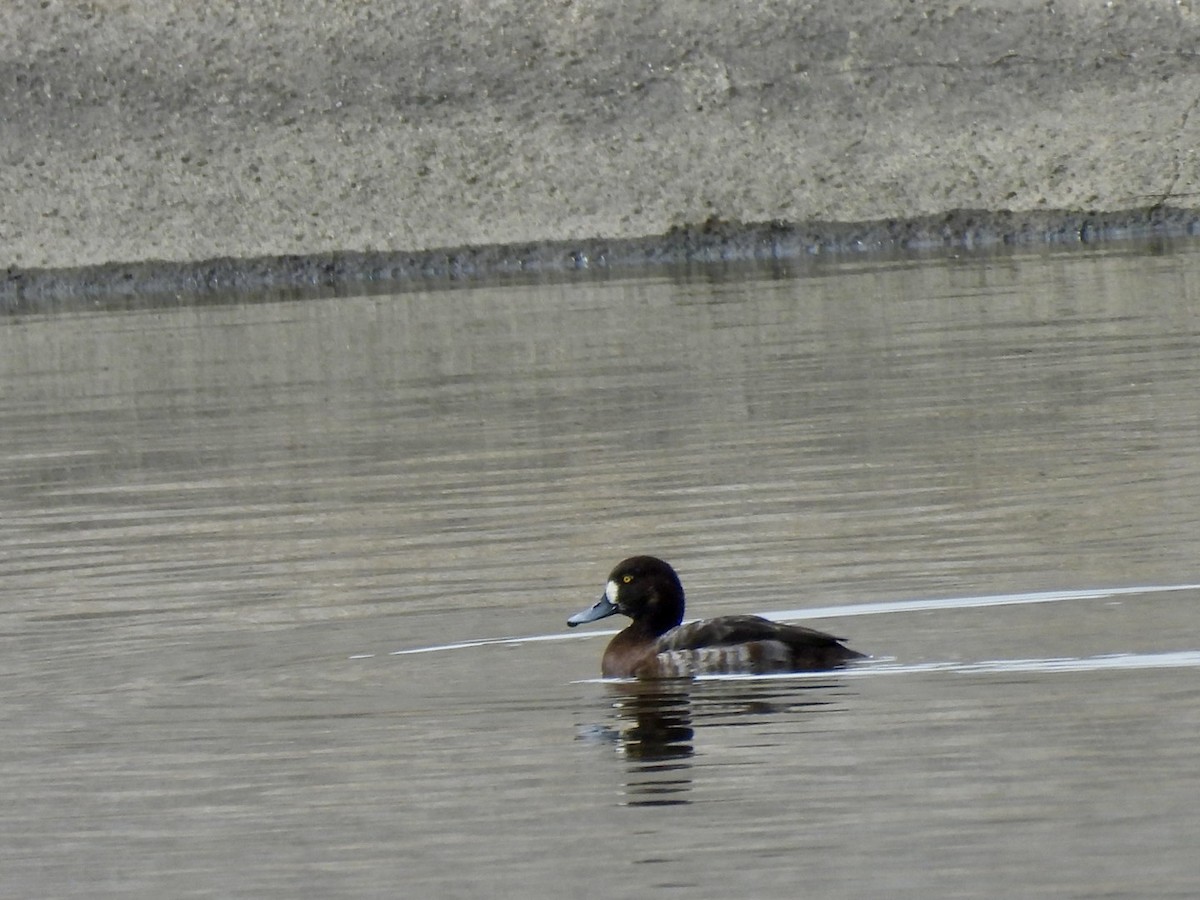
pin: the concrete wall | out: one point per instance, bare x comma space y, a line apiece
182, 131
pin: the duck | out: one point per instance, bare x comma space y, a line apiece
656, 645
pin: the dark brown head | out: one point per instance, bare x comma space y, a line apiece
644, 588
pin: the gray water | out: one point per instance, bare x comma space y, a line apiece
227, 526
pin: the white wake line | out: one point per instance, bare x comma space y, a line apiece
830, 612
1177, 659
893, 606
494, 642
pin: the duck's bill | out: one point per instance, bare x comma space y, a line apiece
602, 609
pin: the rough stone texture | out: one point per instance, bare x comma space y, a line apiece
137, 130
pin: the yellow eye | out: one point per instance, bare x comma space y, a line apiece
627, 578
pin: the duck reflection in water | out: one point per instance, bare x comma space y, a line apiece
656, 725
655, 736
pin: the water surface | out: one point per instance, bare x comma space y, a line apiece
222, 522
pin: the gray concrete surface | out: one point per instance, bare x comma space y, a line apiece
136, 131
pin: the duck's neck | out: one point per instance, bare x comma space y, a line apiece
658, 619
640, 631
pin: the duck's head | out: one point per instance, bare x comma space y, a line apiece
642, 587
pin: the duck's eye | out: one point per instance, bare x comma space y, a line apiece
626, 578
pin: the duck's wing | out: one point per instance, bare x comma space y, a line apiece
725, 630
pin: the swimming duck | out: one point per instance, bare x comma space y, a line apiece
656, 645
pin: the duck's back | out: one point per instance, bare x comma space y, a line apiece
746, 644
